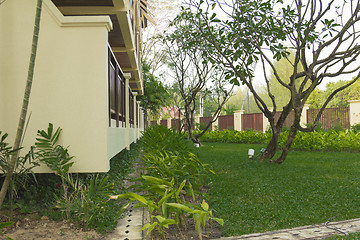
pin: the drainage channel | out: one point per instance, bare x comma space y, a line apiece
129, 226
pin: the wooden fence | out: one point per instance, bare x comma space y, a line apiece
205, 121
289, 119
331, 117
175, 123
252, 121
226, 122
163, 122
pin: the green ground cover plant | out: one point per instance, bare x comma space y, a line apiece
309, 188
331, 140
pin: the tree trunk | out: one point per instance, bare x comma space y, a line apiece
194, 138
276, 131
271, 147
287, 146
25, 104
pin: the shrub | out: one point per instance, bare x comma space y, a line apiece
331, 140
160, 138
355, 128
201, 126
232, 136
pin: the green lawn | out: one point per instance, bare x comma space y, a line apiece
308, 188
351, 236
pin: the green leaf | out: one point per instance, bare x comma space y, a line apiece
262, 21
167, 222
163, 199
180, 187
156, 180
56, 136
204, 205
133, 196
149, 226
219, 221
191, 191
180, 206
3, 137
5, 224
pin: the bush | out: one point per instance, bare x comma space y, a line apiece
161, 138
355, 128
201, 127
331, 140
232, 136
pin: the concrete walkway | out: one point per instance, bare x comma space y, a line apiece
320, 231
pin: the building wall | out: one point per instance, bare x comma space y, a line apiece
116, 140
354, 112
70, 80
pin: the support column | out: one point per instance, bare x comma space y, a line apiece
215, 125
266, 123
127, 110
354, 112
238, 119
139, 120
169, 123
303, 119
135, 118
197, 119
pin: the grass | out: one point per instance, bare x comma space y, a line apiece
351, 236
308, 188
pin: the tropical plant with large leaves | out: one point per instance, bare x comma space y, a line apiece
54, 155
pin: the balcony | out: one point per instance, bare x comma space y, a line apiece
117, 97
125, 38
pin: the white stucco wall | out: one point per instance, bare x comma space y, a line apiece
116, 140
70, 81
354, 112
237, 119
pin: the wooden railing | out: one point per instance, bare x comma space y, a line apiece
117, 110
131, 109
117, 99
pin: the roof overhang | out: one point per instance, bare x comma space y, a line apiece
124, 38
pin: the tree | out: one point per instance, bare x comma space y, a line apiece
155, 94
243, 100
25, 104
261, 31
152, 47
192, 72
284, 70
339, 100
